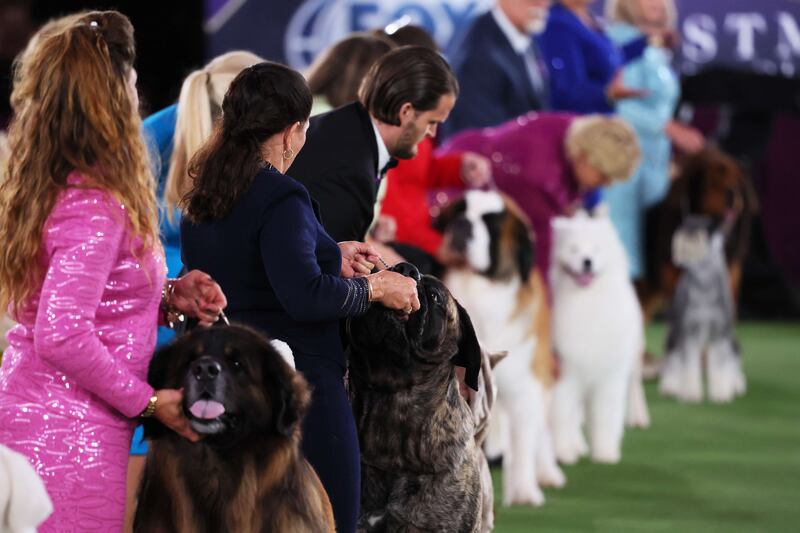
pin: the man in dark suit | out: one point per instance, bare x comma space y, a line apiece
404, 97
498, 66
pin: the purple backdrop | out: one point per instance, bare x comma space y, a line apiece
758, 35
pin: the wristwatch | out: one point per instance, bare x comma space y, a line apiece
151, 407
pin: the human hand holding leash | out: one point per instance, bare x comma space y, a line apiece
358, 258
197, 295
394, 291
169, 411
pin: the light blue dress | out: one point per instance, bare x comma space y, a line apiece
648, 116
159, 133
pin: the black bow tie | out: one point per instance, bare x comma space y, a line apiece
389, 165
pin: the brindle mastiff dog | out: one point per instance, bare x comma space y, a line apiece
420, 464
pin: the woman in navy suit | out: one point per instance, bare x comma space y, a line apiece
258, 233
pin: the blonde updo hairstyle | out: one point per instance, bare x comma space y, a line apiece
608, 144
199, 104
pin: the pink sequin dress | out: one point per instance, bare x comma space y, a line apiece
74, 374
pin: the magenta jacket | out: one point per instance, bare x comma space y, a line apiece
529, 163
74, 373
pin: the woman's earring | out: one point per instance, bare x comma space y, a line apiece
288, 154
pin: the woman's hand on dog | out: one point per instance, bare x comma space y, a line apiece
169, 411
476, 170
394, 291
199, 296
358, 258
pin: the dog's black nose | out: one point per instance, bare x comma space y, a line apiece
408, 270
206, 369
587, 265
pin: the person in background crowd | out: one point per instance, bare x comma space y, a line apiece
82, 271
499, 67
336, 75
584, 64
548, 163
257, 231
405, 95
172, 136
405, 208
651, 117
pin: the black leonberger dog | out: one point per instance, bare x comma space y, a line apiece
420, 465
247, 474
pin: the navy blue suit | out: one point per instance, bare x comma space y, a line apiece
494, 80
280, 272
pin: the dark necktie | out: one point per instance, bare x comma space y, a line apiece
537, 72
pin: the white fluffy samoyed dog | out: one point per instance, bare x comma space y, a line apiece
598, 334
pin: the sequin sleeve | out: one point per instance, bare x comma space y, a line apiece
82, 239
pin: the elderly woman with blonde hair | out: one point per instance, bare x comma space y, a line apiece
553, 163
651, 116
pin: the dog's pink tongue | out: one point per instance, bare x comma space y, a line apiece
207, 409
584, 279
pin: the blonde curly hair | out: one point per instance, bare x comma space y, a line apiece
608, 144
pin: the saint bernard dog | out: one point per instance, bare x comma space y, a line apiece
507, 301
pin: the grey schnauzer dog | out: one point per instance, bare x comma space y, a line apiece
701, 319
420, 464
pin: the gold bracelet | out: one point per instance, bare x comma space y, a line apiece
171, 315
369, 290
151, 407
166, 293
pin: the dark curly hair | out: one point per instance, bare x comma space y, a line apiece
264, 99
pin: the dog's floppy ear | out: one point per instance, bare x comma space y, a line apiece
525, 254
449, 213
469, 351
290, 397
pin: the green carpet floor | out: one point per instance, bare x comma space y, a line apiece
699, 468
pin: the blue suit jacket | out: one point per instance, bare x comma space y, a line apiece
277, 265
495, 86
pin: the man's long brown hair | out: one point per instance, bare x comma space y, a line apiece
72, 111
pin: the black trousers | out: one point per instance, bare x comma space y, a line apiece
330, 441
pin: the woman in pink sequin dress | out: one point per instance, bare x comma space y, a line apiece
82, 271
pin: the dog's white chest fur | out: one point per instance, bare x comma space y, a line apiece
597, 329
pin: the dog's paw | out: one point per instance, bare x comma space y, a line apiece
530, 496
552, 476
638, 418
567, 455
606, 456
